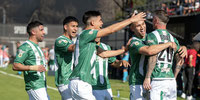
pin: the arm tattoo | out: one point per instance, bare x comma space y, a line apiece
151, 65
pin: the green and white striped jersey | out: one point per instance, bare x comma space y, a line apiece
101, 70
138, 62
85, 56
163, 68
63, 60
30, 53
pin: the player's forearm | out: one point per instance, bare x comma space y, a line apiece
113, 28
179, 64
111, 53
154, 49
177, 70
20, 67
151, 65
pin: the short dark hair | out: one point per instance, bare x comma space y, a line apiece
87, 15
32, 25
162, 15
69, 19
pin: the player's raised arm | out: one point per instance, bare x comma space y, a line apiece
118, 26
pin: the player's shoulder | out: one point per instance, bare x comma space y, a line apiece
62, 39
153, 33
89, 31
25, 46
135, 39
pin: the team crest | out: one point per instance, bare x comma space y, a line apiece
136, 43
20, 53
91, 32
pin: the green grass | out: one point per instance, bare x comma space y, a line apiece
12, 88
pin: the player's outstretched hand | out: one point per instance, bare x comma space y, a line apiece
147, 84
173, 46
125, 63
182, 52
139, 17
41, 68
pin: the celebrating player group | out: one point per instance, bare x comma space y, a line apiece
81, 64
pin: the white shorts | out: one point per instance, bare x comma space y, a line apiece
65, 92
137, 92
105, 94
81, 90
163, 90
38, 94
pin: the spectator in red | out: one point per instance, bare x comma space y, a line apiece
190, 63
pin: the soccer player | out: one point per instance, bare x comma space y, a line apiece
30, 59
101, 89
64, 47
138, 49
85, 52
163, 85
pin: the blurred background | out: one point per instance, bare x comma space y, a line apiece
16, 14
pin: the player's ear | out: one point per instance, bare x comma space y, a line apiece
33, 31
92, 22
65, 27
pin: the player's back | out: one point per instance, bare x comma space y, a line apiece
163, 68
85, 55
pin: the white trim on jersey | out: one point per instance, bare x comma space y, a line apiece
37, 55
141, 64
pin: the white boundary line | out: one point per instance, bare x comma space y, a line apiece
20, 77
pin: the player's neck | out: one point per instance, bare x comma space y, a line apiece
33, 39
160, 26
67, 35
89, 27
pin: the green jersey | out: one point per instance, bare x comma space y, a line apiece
85, 56
30, 53
101, 70
163, 67
138, 62
63, 60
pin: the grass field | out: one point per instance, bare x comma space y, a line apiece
12, 87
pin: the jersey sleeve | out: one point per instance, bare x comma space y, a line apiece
62, 45
136, 45
22, 54
89, 35
111, 59
151, 39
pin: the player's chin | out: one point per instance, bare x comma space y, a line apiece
74, 35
